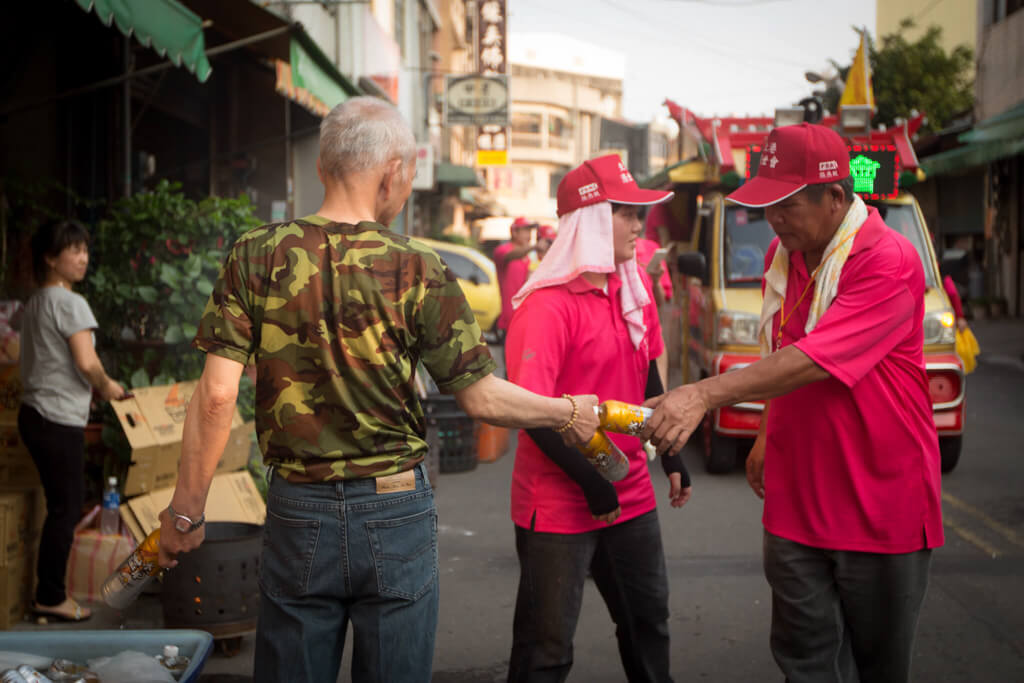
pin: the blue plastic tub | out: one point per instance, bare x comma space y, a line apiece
80, 646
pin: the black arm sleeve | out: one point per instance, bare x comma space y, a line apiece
669, 463
599, 492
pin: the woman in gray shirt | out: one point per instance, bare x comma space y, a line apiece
59, 369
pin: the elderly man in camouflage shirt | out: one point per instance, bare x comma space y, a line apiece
337, 311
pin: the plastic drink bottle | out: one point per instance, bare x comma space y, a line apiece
31, 675
138, 569
609, 460
110, 515
623, 418
174, 662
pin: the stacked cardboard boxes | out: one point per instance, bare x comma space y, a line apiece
152, 421
22, 506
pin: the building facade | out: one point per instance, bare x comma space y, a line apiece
561, 89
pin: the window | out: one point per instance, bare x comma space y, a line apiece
526, 128
747, 238
525, 122
903, 219
556, 178
559, 132
463, 268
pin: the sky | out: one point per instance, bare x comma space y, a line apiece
712, 56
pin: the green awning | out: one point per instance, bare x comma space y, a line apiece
1006, 126
970, 156
459, 176
166, 26
312, 70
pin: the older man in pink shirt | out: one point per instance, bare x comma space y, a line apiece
847, 457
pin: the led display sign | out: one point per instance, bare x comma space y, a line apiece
875, 169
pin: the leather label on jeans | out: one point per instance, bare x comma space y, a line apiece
403, 481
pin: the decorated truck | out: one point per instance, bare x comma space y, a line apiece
720, 260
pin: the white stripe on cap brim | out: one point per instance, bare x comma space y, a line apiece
757, 205
664, 198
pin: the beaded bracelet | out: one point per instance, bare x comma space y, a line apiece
575, 414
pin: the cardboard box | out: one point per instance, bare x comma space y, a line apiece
21, 519
153, 420
10, 388
16, 590
233, 498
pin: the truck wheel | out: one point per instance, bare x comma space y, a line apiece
949, 450
719, 451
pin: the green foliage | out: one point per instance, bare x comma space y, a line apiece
917, 75
156, 256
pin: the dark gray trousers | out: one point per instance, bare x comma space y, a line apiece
843, 616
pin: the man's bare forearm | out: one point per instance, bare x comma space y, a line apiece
778, 374
499, 402
206, 431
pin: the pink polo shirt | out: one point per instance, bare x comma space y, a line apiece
512, 275
852, 462
572, 339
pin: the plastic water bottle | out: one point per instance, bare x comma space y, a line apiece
138, 569
174, 662
110, 515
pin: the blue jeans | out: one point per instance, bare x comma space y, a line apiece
340, 551
841, 616
628, 566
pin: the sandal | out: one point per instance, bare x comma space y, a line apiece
76, 613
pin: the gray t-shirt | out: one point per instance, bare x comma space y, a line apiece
52, 383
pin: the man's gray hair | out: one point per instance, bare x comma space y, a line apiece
817, 190
361, 134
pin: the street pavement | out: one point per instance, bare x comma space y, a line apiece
972, 622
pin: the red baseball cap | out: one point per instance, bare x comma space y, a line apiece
604, 179
794, 157
522, 222
546, 232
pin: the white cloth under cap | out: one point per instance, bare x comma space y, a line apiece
586, 243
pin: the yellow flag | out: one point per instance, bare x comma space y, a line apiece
858, 88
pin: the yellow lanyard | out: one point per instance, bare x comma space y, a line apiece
782, 307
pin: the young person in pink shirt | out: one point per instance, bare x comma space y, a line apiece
586, 318
847, 458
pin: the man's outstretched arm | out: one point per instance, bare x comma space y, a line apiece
677, 413
206, 430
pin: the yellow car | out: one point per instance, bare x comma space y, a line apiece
477, 277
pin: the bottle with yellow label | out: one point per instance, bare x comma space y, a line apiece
130, 578
610, 461
623, 418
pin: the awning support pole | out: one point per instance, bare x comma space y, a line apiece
126, 115
98, 85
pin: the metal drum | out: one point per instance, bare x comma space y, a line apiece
214, 588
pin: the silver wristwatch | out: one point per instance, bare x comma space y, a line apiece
183, 523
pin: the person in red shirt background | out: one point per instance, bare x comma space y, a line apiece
847, 458
587, 318
546, 234
513, 265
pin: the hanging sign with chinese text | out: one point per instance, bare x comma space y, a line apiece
476, 100
491, 36
492, 61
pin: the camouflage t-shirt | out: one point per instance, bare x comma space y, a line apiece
338, 316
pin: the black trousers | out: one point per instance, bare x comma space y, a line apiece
842, 616
627, 563
59, 454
